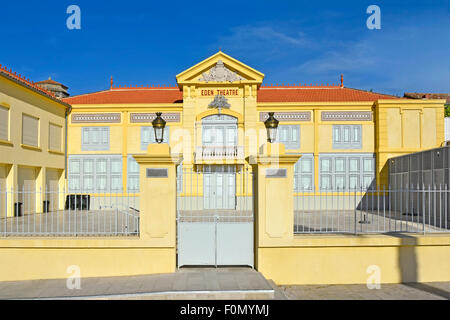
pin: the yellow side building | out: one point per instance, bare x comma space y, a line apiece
32, 145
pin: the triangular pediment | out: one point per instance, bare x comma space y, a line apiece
220, 68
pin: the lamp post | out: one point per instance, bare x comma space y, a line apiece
158, 125
272, 127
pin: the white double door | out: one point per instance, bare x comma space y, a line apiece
219, 187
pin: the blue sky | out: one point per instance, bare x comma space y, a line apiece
149, 42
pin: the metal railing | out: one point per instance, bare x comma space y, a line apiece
55, 213
383, 210
210, 195
219, 152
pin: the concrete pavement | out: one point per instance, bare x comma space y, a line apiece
214, 284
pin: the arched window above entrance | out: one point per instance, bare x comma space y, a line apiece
220, 130
220, 119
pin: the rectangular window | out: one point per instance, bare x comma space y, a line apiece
148, 136
347, 137
55, 137
133, 175
4, 123
95, 174
289, 135
304, 174
341, 172
30, 131
95, 138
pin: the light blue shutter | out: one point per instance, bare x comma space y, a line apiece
133, 184
74, 175
207, 190
148, 136
116, 175
85, 140
88, 175
336, 134
347, 136
95, 139
289, 135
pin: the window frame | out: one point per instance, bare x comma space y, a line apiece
99, 145
292, 130
355, 137
38, 133
61, 138
95, 175
152, 139
8, 122
300, 174
349, 176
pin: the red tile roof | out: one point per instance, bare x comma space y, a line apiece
130, 95
317, 94
118, 95
28, 84
418, 95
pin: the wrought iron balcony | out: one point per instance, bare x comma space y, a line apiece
205, 153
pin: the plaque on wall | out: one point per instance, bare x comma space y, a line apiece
157, 173
276, 173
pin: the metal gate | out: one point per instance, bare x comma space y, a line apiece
215, 217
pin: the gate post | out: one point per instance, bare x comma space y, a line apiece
273, 171
158, 194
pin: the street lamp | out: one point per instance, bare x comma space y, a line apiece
272, 127
158, 125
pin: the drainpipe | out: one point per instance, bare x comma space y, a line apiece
68, 111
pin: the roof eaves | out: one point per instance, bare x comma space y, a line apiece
33, 88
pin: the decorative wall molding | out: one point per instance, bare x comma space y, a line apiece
287, 116
96, 118
149, 117
220, 73
347, 116
219, 102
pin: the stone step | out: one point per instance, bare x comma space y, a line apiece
187, 295
185, 284
278, 292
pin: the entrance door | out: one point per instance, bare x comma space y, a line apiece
219, 187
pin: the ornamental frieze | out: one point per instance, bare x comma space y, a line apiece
287, 116
347, 116
149, 117
220, 73
96, 118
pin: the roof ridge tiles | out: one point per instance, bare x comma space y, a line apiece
299, 86
134, 87
24, 80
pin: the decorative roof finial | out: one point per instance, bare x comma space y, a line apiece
112, 82
342, 80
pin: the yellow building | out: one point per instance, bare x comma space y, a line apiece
344, 135
32, 144
215, 192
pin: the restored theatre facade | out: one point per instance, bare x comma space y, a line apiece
102, 195
339, 140
215, 120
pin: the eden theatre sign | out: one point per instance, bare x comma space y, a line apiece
219, 92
